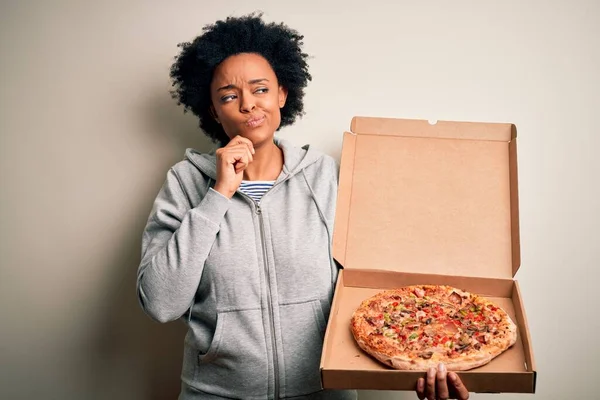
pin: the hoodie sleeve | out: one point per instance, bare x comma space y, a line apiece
176, 241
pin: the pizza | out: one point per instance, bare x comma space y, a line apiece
417, 327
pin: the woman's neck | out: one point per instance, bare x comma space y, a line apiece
267, 163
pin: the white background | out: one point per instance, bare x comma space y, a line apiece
88, 130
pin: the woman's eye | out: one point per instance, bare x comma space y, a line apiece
262, 90
227, 99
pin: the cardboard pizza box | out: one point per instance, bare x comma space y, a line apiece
426, 203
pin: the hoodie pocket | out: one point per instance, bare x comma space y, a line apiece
302, 327
235, 363
211, 352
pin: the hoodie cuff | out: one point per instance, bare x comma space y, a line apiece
213, 206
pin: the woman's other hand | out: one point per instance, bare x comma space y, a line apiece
441, 385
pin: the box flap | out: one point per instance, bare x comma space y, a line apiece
435, 198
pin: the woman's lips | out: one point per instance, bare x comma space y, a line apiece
254, 122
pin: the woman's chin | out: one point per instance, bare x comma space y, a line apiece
259, 135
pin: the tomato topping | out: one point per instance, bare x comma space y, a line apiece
395, 304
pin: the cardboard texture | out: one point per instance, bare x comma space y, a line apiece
422, 203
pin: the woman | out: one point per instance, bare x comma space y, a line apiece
238, 242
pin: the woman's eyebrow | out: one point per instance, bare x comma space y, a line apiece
259, 80
252, 82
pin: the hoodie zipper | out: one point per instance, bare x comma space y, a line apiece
267, 272
269, 302
268, 279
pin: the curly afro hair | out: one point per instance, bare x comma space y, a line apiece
192, 71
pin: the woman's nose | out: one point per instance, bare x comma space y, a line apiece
247, 104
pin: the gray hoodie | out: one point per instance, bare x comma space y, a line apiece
254, 282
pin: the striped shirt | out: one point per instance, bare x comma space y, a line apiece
256, 189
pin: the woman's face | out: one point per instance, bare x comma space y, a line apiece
246, 97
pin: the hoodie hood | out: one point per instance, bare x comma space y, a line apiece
295, 159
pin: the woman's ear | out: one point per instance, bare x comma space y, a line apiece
213, 112
283, 92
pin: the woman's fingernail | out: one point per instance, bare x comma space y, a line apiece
453, 376
420, 384
431, 372
442, 367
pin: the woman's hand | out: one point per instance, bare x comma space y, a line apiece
435, 385
232, 160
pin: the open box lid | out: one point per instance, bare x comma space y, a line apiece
420, 197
